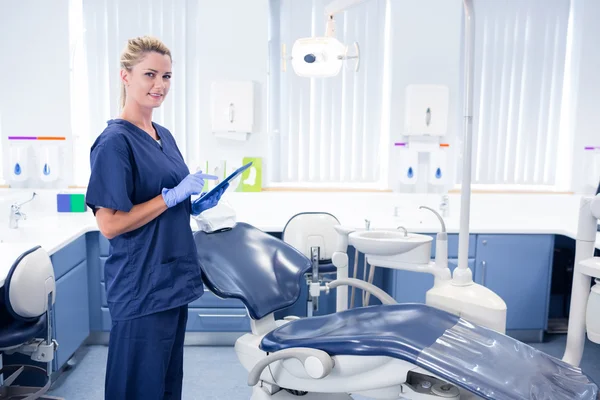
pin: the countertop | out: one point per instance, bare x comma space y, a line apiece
489, 214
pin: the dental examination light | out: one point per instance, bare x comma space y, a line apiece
323, 56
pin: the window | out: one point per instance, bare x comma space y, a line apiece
99, 31
330, 131
522, 51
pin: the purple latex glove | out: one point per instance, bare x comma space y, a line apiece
190, 185
207, 201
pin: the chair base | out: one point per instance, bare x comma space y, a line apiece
7, 391
261, 393
24, 392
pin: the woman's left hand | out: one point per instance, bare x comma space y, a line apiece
206, 202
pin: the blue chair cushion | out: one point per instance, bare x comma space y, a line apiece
482, 361
245, 263
399, 330
14, 332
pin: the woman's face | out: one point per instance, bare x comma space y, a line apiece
149, 80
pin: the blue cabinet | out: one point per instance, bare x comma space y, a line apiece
71, 323
517, 268
209, 313
71, 313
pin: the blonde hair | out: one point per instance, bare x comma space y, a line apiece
134, 52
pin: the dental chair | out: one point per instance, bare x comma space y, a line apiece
388, 351
312, 233
26, 302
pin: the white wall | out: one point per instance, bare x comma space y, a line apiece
34, 37
234, 40
426, 49
34, 48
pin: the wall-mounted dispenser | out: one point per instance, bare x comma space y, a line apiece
409, 165
48, 165
19, 163
233, 109
423, 157
426, 110
438, 174
37, 161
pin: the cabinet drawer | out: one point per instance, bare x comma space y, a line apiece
218, 320
102, 263
106, 320
104, 245
69, 257
103, 294
209, 299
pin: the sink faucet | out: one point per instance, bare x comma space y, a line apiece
16, 214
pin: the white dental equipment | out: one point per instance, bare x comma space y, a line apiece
319, 57
585, 303
314, 235
458, 295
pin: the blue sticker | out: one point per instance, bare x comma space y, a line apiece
410, 172
17, 169
46, 170
438, 173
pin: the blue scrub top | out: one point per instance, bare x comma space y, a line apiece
155, 267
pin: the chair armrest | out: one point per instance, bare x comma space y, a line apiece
317, 363
374, 290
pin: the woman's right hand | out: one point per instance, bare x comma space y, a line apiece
190, 185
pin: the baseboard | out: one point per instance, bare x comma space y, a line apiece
191, 338
528, 336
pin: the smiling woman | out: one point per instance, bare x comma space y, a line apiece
139, 190
139, 78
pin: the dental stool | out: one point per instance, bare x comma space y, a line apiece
26, 302
314, 235
388, 351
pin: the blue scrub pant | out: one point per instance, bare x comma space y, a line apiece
145, 357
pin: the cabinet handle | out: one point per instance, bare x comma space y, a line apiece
223, 315
483, 271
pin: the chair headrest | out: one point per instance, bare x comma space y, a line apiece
312, 229
246, 263
28, 284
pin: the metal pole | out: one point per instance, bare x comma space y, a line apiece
463, 275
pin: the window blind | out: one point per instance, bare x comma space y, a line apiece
330, 130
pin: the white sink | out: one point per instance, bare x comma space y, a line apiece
386, 242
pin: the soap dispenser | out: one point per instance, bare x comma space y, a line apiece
19, 163
48, 166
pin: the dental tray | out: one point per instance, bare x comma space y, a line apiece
225, 181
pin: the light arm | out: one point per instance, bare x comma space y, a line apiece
336, 6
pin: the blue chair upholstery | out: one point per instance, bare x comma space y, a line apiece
14, 332
399, 331
237, 262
